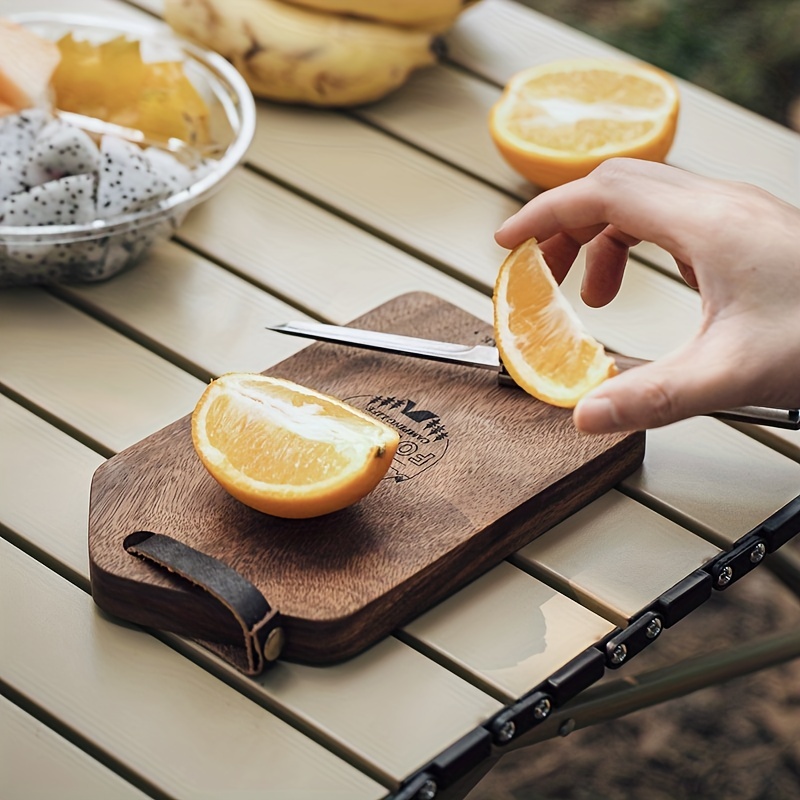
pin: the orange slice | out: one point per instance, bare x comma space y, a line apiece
558, 121
539, 337
287, 450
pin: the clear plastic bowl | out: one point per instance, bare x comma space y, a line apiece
97, 250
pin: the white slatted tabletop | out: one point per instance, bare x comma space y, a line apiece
332, 214
26, 744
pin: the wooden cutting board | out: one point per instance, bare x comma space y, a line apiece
480, 471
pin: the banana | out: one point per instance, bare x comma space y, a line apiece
433, 15
296, 55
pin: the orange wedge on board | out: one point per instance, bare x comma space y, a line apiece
287, 450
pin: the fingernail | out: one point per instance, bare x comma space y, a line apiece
597, 415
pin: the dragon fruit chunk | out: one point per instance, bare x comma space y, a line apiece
18, 133
66, 261
113, 179
61, 149
177, 176
66, 201
127, 180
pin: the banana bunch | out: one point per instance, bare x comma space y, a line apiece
338, 53
432, 15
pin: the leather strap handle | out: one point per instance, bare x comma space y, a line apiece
259, 622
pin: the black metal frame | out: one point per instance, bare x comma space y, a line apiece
568, 699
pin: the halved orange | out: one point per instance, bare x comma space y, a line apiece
541, 341
558, 121
288, 450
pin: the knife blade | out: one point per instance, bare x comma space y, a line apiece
487, 357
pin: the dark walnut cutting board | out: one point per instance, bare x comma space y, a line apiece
481, 470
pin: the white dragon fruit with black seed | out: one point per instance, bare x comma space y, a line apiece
127, 181
53, 174
61, 149
57, 262
18, 134
66, 201
175, 174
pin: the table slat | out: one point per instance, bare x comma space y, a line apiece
300, 251
391, 704
405, 194
710, 477
616, 556
508, 630
784, 441
194, 312
445, 111
37, 764
109, 684
87, 374
37, 460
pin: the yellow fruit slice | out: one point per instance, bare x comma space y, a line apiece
287, 450
558, 121
110, 81
539, 337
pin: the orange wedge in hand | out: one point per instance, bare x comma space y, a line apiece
558, 121
539, 337
287, 450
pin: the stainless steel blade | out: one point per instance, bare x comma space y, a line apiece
486, 357
478, 355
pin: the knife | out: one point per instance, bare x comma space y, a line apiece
486, 357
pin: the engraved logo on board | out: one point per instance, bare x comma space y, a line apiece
423, 437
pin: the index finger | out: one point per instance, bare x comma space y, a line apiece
646, 200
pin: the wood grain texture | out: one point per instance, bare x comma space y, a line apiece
483, 470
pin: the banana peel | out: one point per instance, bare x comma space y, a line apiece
297, 55
436, 16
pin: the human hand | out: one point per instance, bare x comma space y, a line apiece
737, 244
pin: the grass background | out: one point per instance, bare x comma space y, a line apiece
745, 51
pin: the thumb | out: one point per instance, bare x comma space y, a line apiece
695, 379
